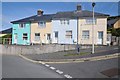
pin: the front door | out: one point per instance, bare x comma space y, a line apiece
15, 38
48, 38
100, 37
56, 37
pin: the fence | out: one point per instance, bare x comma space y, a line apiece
5, 40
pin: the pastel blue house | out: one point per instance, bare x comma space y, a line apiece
21, 33
64, 31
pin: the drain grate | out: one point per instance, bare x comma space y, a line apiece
111, 72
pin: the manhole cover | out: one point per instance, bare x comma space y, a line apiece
111, 72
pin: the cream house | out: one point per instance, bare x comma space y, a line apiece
41, 28
100, 30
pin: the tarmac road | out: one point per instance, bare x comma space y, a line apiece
17, 67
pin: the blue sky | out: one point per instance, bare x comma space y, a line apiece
16, 10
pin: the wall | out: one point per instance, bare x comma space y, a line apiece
43, 32
61, 28
1, 35
34, 49
100, 26
117, 24
20, 32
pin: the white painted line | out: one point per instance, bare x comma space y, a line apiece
52, 68
67, 76
58, 71
47, 65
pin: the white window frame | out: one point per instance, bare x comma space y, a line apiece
43, 25
37, 38
22, 26
89, 21
69, 35
65, 21
25, 36
84, 35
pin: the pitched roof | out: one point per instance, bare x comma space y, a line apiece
35, 18
7, 31
112, 21
75, 14
67, 14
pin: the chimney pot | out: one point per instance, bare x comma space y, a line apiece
79, 7
39, 12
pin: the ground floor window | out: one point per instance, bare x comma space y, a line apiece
25, 36
85, 34
69, 34
37, 36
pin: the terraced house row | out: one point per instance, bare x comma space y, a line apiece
61, 28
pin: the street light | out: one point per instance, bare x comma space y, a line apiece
93, 50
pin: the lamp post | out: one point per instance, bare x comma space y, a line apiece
93, 50
78, 47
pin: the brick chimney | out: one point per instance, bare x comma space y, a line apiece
39, 12
79, 7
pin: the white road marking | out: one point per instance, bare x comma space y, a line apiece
47, 65
52, 68
67, 76
58, 71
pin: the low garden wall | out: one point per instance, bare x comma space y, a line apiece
34, 49
37, 49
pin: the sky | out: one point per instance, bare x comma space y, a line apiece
12, 11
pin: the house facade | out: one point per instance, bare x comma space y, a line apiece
67, 27
100, 30
32, 30
64, 31
41, 28
114, 22
117, 24
21, 33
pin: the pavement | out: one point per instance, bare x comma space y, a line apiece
61, 56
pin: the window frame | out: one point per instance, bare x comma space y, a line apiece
65, 21
25, 37
37, 38
69, 35
89, 21
85, 36
22, 26
42, 25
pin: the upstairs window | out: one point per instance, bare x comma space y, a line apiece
91, 21
37, 36
21, 25
85, 34
25, 36
42, 24
68, 34
64, 22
